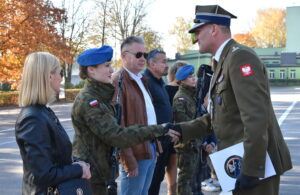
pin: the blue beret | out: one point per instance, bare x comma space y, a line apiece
184, 72
95, 56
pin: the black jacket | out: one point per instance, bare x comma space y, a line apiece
160, 98
45, 149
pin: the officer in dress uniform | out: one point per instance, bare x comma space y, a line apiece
241, 108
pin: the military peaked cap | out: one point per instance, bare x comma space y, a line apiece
213, 14
184, 72
95, 56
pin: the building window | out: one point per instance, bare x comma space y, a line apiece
272, 74
293, 74
282, 74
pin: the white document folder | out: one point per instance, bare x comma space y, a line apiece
226, 161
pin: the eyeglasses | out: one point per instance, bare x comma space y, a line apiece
139, 54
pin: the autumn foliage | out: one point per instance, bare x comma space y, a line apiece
269, 30
27, 26
246, 39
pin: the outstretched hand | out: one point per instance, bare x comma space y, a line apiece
174, 135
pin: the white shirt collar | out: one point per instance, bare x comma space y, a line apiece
132, 75
151, 116
219, 51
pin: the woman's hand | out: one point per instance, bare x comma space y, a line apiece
86, 173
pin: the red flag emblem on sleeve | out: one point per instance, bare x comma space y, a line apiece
94, 103
246, 70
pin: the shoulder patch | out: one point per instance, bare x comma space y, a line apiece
234, 49
181, 99
93, 103
246, 70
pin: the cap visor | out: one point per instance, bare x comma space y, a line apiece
197, 25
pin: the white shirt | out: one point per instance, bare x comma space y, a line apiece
151, 116
219, 51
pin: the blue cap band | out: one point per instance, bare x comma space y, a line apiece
215, 19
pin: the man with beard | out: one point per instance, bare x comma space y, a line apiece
157, 67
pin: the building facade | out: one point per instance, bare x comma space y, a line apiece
283, 64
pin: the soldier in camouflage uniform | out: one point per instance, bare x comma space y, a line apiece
96, 129
184, 108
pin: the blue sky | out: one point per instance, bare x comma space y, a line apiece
162, 14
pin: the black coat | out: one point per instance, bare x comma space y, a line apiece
160, 98
45, 149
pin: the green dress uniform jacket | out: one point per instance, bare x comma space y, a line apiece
242, 111
97, 131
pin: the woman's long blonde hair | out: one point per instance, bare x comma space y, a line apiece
35, 84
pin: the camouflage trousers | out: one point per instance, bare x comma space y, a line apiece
187, 164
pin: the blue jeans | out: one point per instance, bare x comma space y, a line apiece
139, 185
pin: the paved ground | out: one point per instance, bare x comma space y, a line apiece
286, 106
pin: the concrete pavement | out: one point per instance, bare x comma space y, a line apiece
286, 105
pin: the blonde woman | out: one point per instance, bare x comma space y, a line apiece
44, 145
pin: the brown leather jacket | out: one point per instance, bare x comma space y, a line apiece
133, 113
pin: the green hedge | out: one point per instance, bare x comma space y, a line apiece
11, 98
70, 94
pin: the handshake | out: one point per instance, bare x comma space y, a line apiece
172, 130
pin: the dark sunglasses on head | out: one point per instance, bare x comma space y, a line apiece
152, 54
139, 54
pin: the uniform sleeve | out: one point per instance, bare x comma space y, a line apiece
104, 125
248, 80
34, 141
180, 110
196, 128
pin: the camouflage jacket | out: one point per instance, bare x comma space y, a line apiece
97, 131
184, 109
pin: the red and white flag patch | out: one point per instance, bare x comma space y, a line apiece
94, 103
246, 70
181, 99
